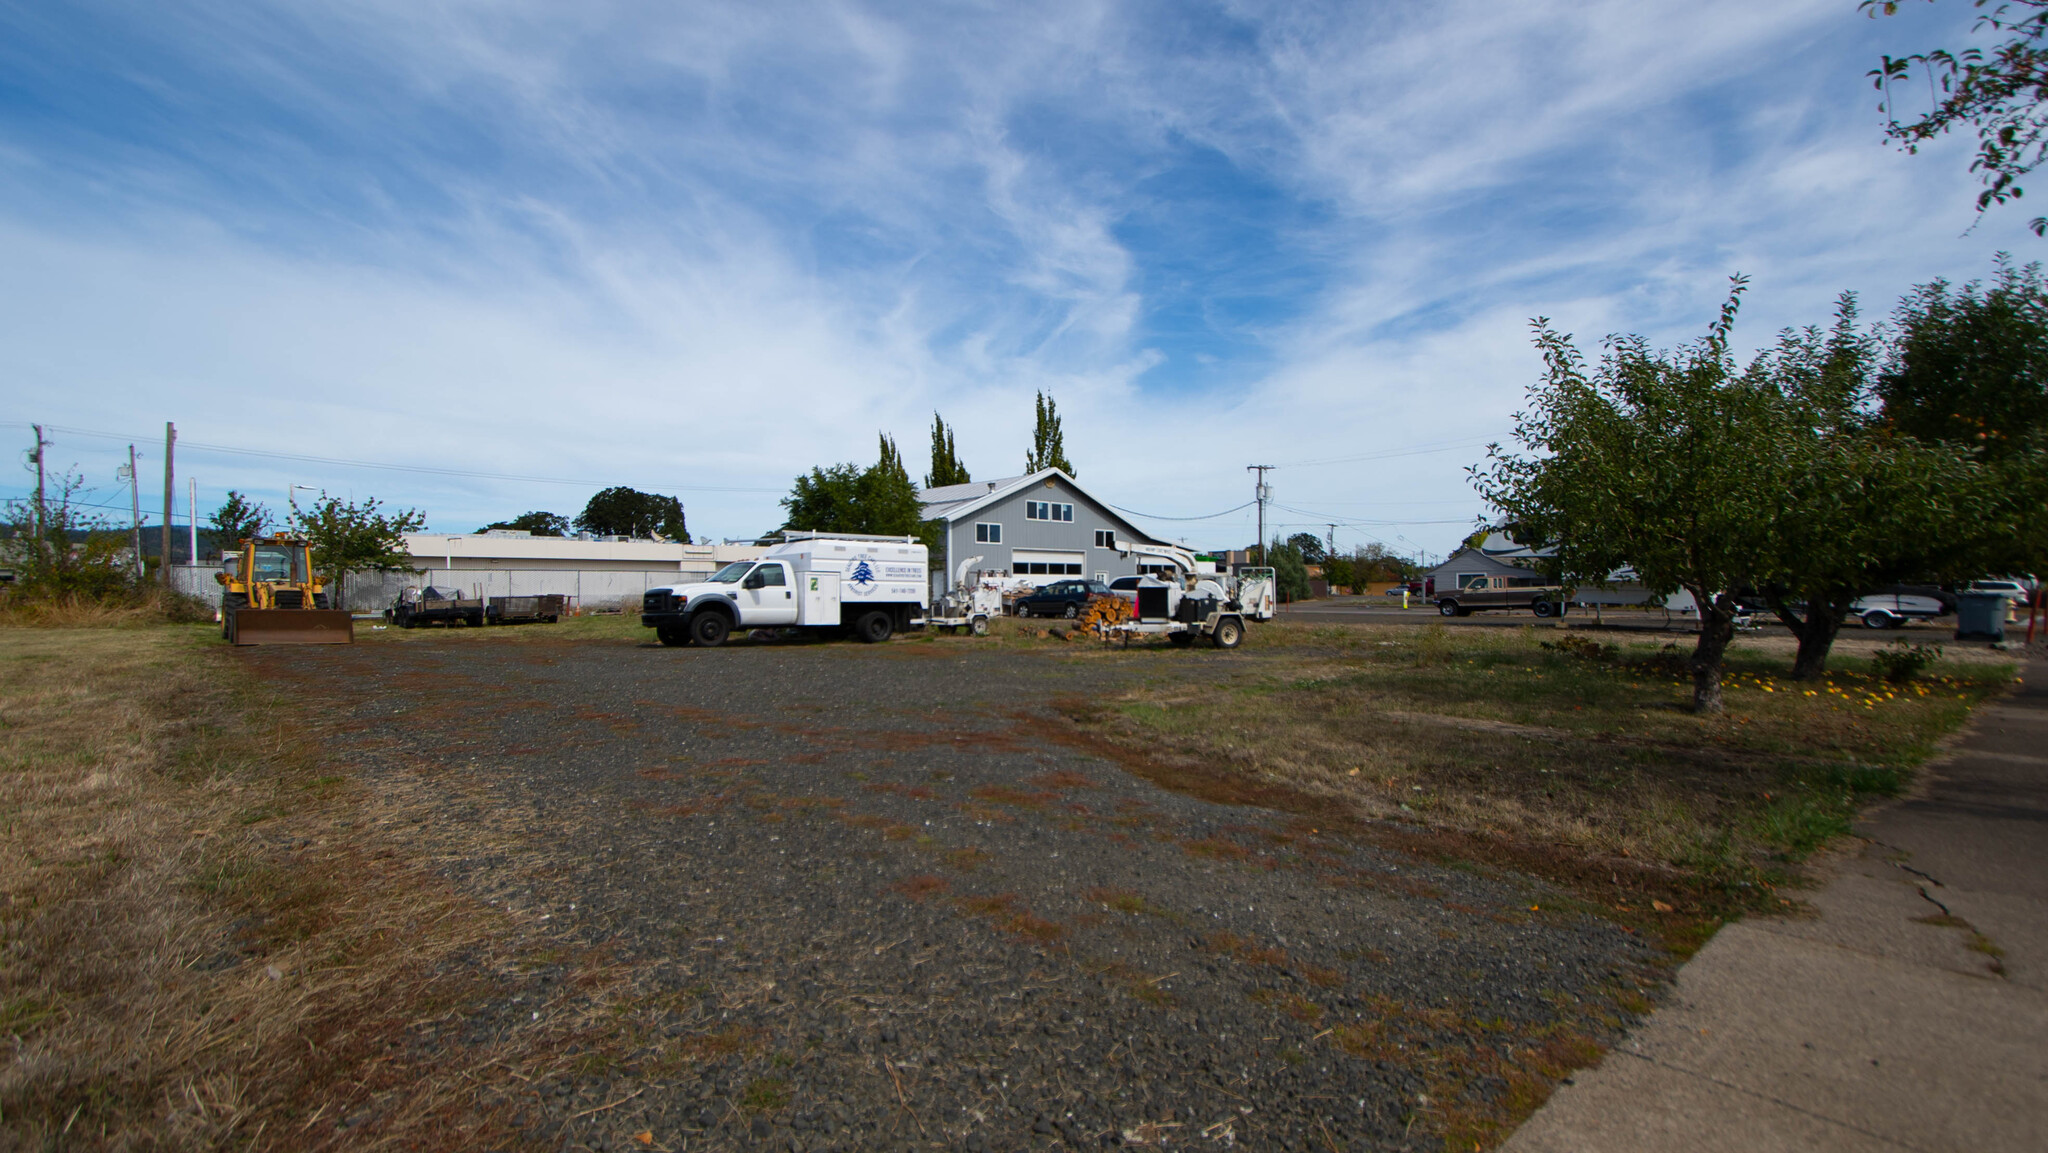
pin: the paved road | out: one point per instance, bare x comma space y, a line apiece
1910, 1013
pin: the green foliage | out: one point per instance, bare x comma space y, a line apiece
236, 520
2000, 94
1341, 572
1901, 660
628, 512
946, 466
1862, 506
846, 498
1970, 365
59, 549
346, 537
1048, 440
1290, 574
1308, 546
541, 523
1664, 461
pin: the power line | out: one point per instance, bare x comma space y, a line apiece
343, 462
1417, 450
1211, 516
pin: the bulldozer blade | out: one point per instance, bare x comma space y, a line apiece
294, 627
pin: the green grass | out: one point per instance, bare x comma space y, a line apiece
1589, 746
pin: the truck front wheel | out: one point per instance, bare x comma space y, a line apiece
1544, 608
873, 627
710, 629
1449, 608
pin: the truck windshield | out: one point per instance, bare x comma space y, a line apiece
275, 563
731, 574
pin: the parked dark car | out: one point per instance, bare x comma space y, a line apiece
1060, 599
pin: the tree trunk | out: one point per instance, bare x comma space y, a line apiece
1823, 621
1717, 628
1816, 631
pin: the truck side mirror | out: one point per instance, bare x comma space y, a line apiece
754, 580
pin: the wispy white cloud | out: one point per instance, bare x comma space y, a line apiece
719, 244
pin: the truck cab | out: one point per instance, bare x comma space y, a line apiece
1477, 592
871, 587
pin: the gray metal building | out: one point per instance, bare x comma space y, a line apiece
1042, 525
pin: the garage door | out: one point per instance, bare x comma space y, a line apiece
1038, 562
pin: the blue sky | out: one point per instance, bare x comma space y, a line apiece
699, 248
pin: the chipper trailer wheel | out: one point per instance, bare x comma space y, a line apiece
1229, 633
979, 626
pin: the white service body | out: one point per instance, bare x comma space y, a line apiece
810, 582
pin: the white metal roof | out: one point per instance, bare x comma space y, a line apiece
956, 502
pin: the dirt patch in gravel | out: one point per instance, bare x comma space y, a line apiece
812, 897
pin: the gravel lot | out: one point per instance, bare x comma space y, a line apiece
828, 896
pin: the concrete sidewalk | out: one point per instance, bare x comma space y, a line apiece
1912, 1013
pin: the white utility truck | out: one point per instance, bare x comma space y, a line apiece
869, 586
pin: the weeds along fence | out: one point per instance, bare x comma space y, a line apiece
374, 591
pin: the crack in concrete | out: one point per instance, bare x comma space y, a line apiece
1773, 1099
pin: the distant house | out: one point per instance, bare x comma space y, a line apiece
1497, 555
1041, 525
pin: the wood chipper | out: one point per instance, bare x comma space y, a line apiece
270, 595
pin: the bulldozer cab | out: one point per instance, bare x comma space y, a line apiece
270, 594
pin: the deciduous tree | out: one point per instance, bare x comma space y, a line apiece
1659, 460
348, 538
2000, 93
628, 512
1970, 365
537, 523
236, 520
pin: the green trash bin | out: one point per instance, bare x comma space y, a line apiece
1980, 617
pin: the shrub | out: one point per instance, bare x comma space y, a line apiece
1901, 661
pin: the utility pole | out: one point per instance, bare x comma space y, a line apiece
1331, 553
170, 494
42, 533
1262, 493
135, 515
192, 507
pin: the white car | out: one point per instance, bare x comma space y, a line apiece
2009, 589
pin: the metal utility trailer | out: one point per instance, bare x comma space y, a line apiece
430, 606
523, 610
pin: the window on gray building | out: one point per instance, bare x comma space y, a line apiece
1105, 538
1047, 510
988, 534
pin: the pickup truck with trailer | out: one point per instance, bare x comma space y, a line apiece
1481, 592
869, 586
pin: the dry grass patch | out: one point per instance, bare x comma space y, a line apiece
1585, 750
206, 941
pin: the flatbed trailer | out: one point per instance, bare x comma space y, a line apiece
431, 607
546, 609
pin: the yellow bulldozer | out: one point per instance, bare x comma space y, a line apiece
270, 595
